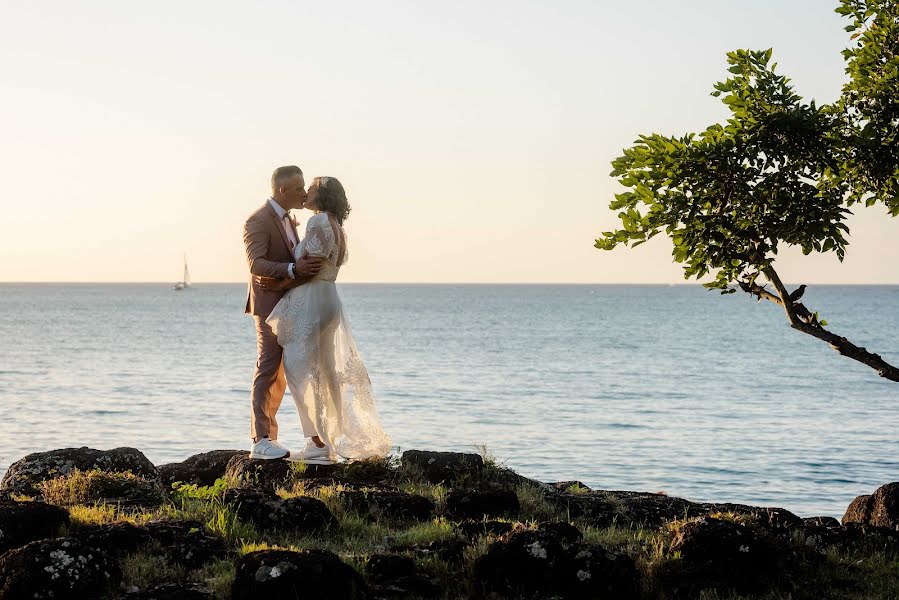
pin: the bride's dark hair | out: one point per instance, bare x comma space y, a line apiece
332, 199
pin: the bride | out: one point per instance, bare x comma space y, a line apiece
325, 374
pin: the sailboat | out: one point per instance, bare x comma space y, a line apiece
184, 283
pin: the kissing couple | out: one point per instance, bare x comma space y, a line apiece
303, 338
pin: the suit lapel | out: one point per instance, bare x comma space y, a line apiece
279, 225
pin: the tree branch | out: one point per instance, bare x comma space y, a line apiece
785, 301
801, 319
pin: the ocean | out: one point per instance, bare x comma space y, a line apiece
650, 387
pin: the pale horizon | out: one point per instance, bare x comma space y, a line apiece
474, 141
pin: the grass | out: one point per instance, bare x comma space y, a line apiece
80, 487
865, 572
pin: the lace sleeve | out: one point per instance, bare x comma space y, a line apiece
319, 240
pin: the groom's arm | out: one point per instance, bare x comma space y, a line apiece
255, 241
306, 268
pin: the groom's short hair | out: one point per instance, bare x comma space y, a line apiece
282, 174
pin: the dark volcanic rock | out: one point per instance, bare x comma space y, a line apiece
23, 522
115, 538
591, 571
723, 555
199, 469
603, 508
775, 519
564, 532
564, 486
597, 507
101, 487
267, 511
859, 510
653, 510
171, 591
395, 505
248, 472
853, 536
397, 577
188, 543
520, 563
820, 522
443, 466
60, 568
25, 474
281, 574
880, 509
471, 529
476, 504
449, 550
386, 567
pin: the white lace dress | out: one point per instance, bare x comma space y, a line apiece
325, 374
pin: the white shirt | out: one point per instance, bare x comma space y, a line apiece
288, 229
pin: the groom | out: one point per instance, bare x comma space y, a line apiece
270, 237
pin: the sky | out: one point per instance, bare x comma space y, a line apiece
473, 138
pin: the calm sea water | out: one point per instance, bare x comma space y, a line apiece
622, 387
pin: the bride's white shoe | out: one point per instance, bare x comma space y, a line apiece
314, 455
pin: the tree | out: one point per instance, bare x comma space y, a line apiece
780, 171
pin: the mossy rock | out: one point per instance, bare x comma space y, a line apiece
26, 474
99, 487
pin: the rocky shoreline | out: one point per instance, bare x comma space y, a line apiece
86, 523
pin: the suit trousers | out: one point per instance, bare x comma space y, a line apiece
269, 382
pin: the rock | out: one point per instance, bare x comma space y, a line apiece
438, 467
199, 469
475, 504
724, 555
775, 519
598, 507
25, 475
858, 511
171, 591
247, 472
23, 522
188, 543
522, 563
653, 510
472, 529
820, 522
282, 574
267, 511
880, 509
60, 568
397, 576
386, 567
394, 505
449, 550
371, 473
115, 538
564, 532
101, 487
591, 571
568, 486
853, 536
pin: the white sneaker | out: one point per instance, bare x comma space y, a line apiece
267, 449
313, 455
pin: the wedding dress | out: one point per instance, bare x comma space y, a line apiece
325, 374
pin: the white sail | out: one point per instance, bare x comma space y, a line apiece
186, 273
184, 283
